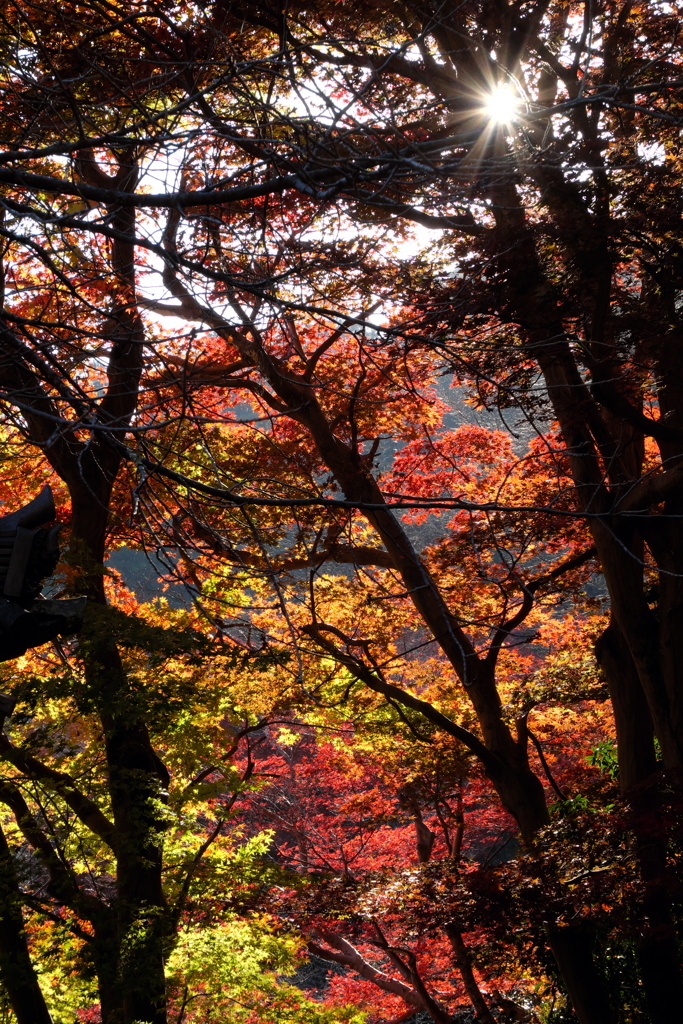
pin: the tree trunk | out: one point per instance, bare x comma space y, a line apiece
635, 732
130, 963
659, 951
17, 973
136, 988
572, 948
665, 540
135, 979
135, 793
641, 657
640, 629
463, 960
658, 948
105, 960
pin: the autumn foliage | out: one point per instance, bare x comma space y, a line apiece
356, 328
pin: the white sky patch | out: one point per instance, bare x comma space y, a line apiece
652, 153
418, 238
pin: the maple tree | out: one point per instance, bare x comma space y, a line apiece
225, 332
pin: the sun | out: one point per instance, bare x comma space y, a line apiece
501, 105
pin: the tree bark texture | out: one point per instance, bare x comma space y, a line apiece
17, 973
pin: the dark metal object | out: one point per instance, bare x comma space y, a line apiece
28, 555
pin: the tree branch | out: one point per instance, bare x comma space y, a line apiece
346, 955
373, 682
85, 809
63, 885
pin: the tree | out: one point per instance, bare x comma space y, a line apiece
305, 144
